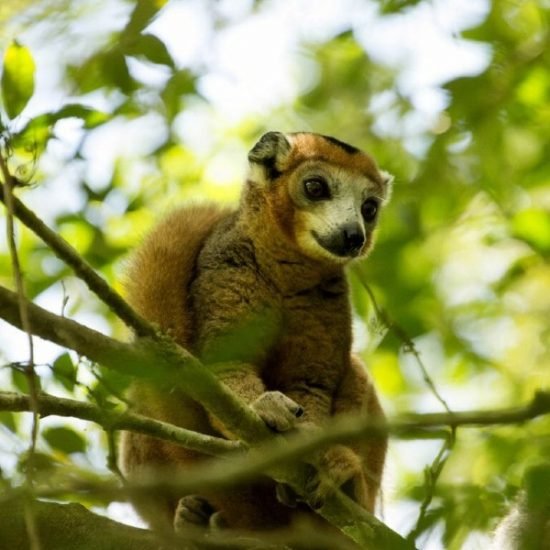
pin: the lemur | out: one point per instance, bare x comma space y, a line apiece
309, 206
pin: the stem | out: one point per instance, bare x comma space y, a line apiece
408, 344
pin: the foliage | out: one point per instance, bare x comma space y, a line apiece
461, 262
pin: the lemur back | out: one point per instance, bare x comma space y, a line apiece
158, 277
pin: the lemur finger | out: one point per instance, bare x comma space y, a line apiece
277, 410
192, 509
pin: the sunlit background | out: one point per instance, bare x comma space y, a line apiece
451, 96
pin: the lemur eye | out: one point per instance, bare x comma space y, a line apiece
369, 210
316, 189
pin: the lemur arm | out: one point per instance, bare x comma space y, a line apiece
235, 328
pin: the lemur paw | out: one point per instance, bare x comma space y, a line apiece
277, 410
194, 510
337, 468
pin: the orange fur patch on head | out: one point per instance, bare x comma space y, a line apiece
307, 146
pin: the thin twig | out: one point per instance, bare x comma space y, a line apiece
432, 472
30, 373
431, 476
82, 269
408, 344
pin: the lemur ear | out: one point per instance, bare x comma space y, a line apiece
387, 178
270, 153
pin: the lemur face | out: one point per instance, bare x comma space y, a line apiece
336, 210
326, 194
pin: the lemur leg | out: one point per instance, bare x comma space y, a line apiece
357, 396
355, 468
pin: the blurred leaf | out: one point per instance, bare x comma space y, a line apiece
150, 47
41, 462
245, 341
180, 84
143, 14
110, 384
19, 380
17, 79
104, 69
65, 371
537, 485
91, 117
65, 440
39, 130
394, 6
533, 226
8, 420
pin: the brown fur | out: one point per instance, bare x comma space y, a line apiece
204, 274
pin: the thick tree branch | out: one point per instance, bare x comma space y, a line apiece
69, 526
82, 269
85, 530
160, 361
118, 420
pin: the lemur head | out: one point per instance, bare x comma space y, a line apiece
325, 195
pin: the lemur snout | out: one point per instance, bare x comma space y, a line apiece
353, 239
346, 241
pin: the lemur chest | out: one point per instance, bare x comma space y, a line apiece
314, 342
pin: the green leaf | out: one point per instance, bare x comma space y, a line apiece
180, 84
152, 48
39, 130
90, 117
104, 69
19, 380
533, 226
65, 371
396, 6
17, 79
143, 14
65, 440
8, 420
41, 462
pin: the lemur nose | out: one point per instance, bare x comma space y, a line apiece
354, 238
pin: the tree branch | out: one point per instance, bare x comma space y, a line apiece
155, 360
69, 526
82, 269
85, 530
49, 405
279, 451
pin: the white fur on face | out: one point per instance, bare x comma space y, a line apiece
326, 218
